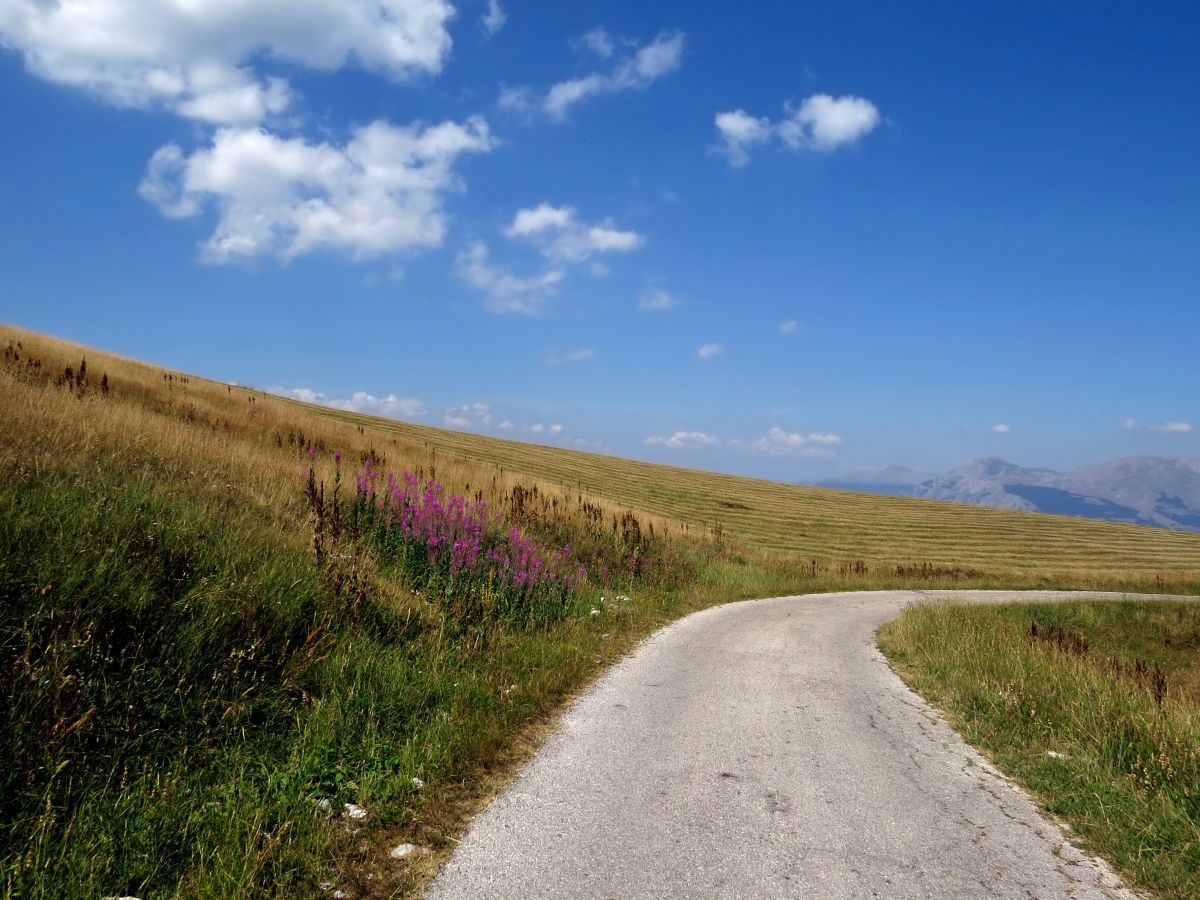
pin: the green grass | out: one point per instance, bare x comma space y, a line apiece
182, 683
1126, 766
179, 681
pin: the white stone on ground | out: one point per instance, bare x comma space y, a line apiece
404, 850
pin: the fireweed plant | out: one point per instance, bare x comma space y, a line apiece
481, 565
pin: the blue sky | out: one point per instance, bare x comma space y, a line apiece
796, 240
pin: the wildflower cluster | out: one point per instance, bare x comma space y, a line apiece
458, 548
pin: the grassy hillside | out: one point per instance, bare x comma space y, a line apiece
220, 623
801, 523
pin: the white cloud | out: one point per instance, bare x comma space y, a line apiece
203, 59
739, 131
1172, 427
516, 99
656, 300
777, 442
379, 193
1001, 429
821, 123
558, 232
493, 18
474, 416
391, 406
825, 123
506, 425
709, 351
1130, 424
682, 440
599, 42
571, 356
650, 62
506, 293
543, 217
305, 395
791, 326
556, 430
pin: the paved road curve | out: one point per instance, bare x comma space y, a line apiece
766, 749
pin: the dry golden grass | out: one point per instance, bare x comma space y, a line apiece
193, 420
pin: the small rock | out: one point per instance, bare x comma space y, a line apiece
326, 886
404, 850
339, 895
323, 805
595, 612
418, 783
1054, 754
354, 811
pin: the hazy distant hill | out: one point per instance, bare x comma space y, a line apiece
1145, 490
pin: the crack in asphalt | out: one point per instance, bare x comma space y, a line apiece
767, 749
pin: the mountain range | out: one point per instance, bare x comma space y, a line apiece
1143, 490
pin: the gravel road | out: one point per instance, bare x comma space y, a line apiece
766, 749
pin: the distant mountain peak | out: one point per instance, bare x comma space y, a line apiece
1144, 490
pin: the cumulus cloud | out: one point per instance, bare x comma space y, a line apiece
204, 60
683, 440
778, 442
562, 237
493, 18
635, 71
656, 300
791, 326
709, 351
1000, 429
379, 193
569, 357
471, 416
738, 132
825, 123
1172, 427
820, 123
505, 292
391, 406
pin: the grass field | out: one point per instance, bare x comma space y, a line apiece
199, 643
1095, 707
